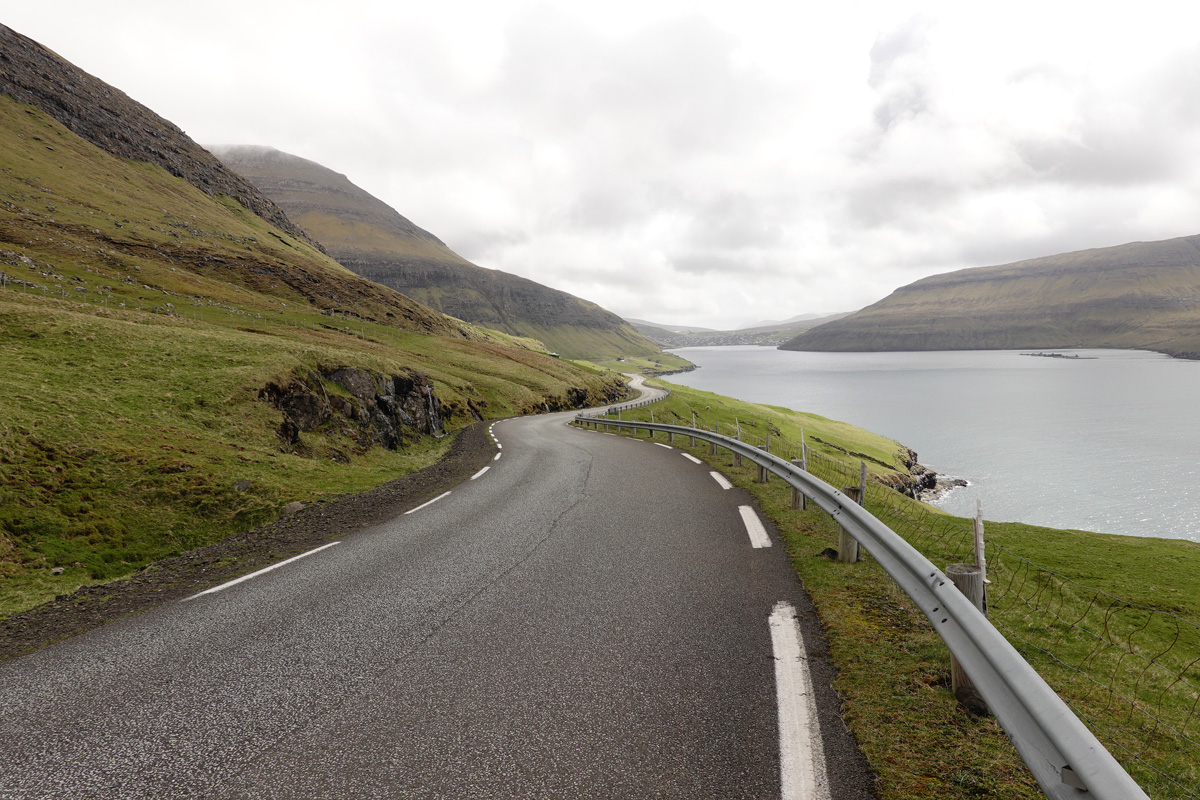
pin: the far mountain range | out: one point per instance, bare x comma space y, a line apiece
1141, 295
763, 333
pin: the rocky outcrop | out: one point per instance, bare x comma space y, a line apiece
112, 121
369, 408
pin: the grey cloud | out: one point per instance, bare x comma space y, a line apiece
890, 47
904, 92
668, 90
888, 202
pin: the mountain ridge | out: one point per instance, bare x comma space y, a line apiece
1139, 295
374, 240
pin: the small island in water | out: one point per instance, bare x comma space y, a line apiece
1058, 355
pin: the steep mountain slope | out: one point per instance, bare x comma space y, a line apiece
178, 369
371, 238
109, 119
1142, 295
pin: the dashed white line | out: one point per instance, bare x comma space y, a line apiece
431, 502
480, 473
721, 480
660, 444
497, 458
264, 570
802, 771
754, 527
692, 458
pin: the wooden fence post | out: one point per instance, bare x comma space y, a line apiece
969, 580
737, 457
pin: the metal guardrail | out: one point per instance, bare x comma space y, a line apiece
1065, 758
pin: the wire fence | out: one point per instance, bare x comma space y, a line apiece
1129, 671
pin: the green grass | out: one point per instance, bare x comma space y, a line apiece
124, 432
1128, 666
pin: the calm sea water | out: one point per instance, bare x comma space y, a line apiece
1108, 442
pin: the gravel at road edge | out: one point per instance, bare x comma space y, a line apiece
183, 575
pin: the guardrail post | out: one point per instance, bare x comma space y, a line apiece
970, 581
847, 544
712, 446
799, 501
763, 473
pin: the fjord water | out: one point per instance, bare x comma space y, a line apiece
1109, 441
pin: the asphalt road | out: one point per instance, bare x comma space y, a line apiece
586, 619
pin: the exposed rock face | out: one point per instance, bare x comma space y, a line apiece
373, 409
109, 119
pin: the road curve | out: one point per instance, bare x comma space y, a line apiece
587, 617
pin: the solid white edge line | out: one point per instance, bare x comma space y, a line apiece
692, 458
429, 503
721, 480
754, 527
480, 473
660, 444
803, 774
236, 581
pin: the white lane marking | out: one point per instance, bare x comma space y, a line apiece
802, 771
431, 502
754, 527
721, 480
660, 444
497, 458
262, 571
499, 446
692, 458
480, 473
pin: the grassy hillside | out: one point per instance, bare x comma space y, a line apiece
140, 321
1143, 295
371, 238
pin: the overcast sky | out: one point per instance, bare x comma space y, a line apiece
693, 162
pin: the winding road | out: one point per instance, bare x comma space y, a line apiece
587, 617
